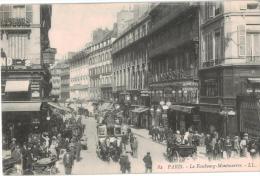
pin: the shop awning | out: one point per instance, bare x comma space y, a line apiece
186, 109
140, 110
211, 109
17, 86
254, 80
55, 105
21, 106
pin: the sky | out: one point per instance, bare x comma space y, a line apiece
72, 24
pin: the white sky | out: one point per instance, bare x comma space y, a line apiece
72, 24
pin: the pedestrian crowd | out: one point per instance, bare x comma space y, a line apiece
40, 146
231, 147
216, 147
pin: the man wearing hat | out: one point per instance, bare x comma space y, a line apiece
228, 147
243, 145
13, 145
68, 161
148, 162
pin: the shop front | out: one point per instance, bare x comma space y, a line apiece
140, 117
19, 119
184, 117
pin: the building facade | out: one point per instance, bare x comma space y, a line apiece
25, 59
229, 66
65, 80
79, 76
130, 68
100, 69
55, 71
173, 55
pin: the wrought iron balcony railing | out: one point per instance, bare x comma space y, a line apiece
15, 22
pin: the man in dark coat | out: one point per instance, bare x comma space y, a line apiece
68, 161
148, 162
125, 165
124, 140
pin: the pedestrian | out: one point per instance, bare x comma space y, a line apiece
131, 141
202, 139
124, 140
125, 165
17, 156
135, 147
59, 147
236, 146
46, 138
243, 146
13, 145
78, 150
161, 133
35, 152
253, 149
228, 147
196, 139
148, 163
153, 132
29, 159
68, 161
53, 146
209, 149
213, 144
178, 137
156, 131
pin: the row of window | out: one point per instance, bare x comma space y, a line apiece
16, 11
135, 57
104, 69
80, 78
134, 80
101, 81
131, 36
180, 61
248, 41
100, 45
100, 58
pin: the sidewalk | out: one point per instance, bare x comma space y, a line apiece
144, 133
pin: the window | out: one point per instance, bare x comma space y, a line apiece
217, 45
209, 88
208, 46
252, 46
18, 11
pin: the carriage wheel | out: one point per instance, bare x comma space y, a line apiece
175, 156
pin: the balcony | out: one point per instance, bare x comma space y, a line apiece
14, 23
173, 76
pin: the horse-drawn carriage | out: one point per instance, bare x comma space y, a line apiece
109, 142
178, 152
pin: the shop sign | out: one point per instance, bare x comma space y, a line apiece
9, 61
15, 63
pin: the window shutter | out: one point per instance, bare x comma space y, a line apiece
210, 46
241, 31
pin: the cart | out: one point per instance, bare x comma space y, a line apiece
8, 165
103, 133
178, 152
45, 166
